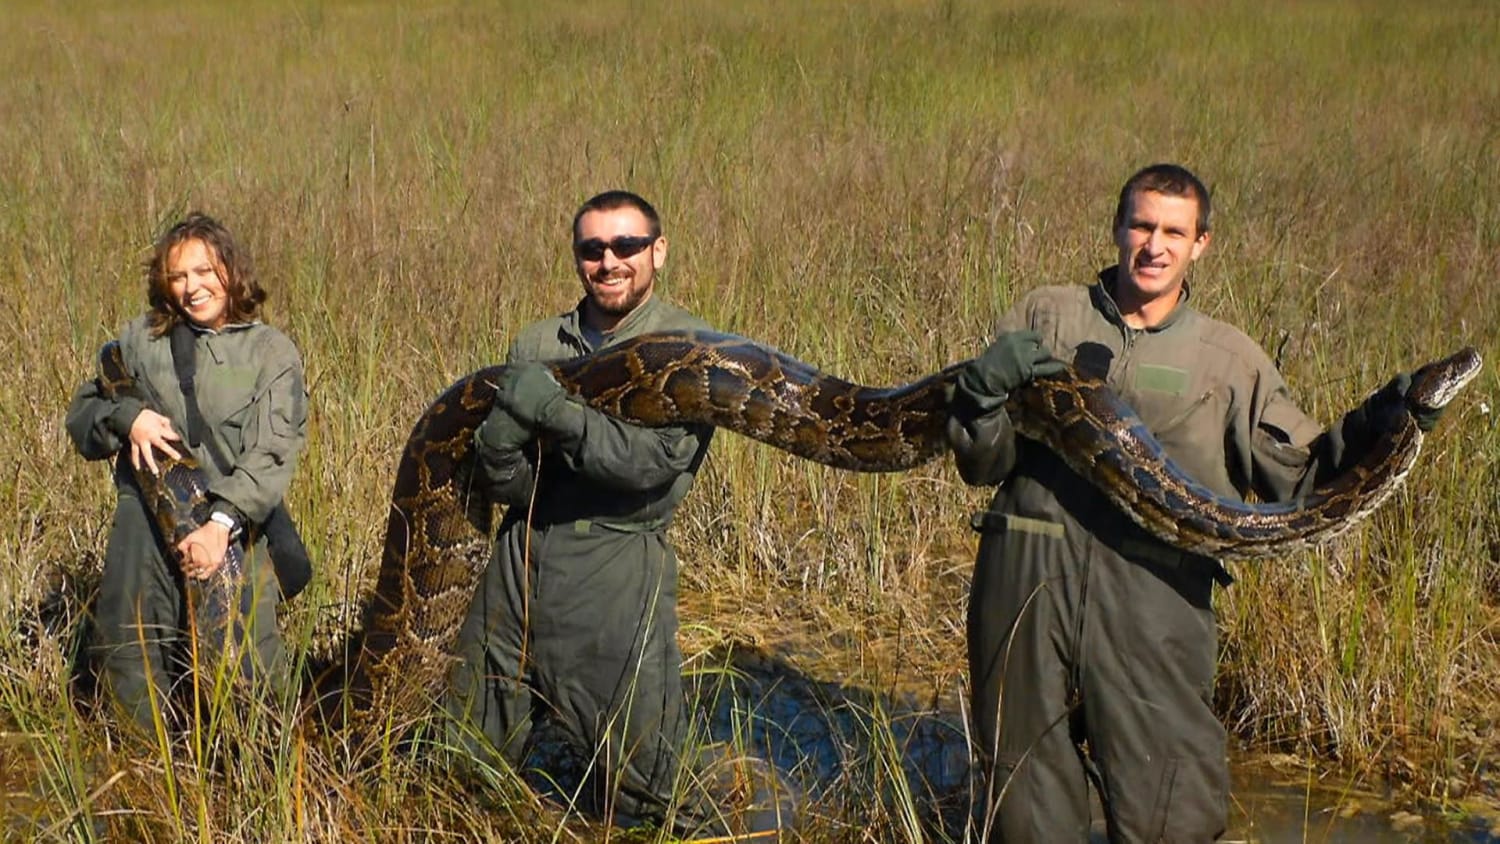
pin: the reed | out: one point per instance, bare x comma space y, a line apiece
867, 187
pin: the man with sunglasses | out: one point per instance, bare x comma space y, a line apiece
577, 614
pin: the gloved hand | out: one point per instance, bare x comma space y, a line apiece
500, 431
529, 393
1426, 417
1012, 360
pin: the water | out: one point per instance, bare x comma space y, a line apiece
843, 744
1270, 806
831, 738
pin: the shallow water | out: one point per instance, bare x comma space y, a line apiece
827, 736
1270, 806
832, 739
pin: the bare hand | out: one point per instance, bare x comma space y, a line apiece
203, 550
149, 431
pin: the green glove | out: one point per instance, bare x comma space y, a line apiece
1426, 417
529, 393
500, 432
1012, 360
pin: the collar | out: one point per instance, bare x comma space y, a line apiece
231, 327
1103, 295
627, 327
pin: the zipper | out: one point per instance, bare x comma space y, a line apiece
1185, 413
1119, 375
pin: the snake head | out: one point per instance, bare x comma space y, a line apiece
1435, 384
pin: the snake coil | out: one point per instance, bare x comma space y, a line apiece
437, 533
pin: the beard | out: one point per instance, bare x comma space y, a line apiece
619, 302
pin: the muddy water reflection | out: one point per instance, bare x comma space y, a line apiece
841, 743
1271, 806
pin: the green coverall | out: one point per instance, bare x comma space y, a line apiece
251, 394
1083, 627
577, 611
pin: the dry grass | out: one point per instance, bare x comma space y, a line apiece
867, 188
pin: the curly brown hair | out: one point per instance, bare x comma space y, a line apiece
244, 293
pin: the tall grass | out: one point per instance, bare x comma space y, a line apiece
867, 187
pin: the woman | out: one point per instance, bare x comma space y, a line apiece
251, 423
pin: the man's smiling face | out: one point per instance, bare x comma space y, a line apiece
616, 284
1158, 241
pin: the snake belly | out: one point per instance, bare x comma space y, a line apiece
438, 531
176, 499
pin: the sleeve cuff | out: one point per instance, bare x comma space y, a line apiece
220, 506
562, 416
979, 403
123, 416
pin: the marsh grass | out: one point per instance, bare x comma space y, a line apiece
867, 187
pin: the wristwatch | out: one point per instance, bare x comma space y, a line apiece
223, 518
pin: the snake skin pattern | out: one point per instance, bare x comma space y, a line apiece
176, 499
437, 534
1103, 440
437, 540
438, 530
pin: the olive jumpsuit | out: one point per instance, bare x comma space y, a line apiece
251, 393
1082, 627
577, 611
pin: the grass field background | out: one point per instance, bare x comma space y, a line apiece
865, 186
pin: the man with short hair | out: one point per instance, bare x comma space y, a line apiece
1091, 642
578, 607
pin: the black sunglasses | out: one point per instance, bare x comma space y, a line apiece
623, 246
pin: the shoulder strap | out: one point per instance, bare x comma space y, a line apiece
185, 363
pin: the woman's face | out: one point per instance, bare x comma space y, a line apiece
195, 277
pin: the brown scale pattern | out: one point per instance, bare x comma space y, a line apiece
1103, 440
438, 530
437, 543
176, 499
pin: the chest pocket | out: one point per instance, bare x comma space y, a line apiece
1165, 397
226, 396
1188, 414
